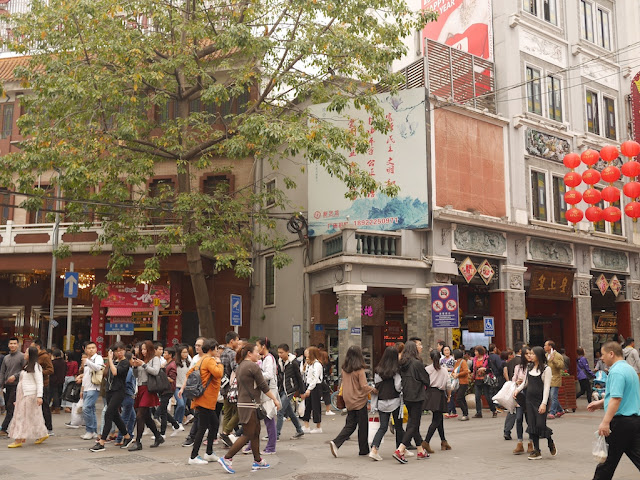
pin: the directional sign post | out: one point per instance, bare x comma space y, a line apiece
489, 326
70, 292
236, 311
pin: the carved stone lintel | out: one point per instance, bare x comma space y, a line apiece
610, 260
473, 239
583, 289
516, 282
550, 251
546, 146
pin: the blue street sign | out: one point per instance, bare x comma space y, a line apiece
489, 327
236, 310
70, 284
119, 328
444, 307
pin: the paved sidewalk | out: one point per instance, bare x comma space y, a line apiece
479, 452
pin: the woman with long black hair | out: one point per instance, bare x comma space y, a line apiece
538, 385
414, 380
388, 382
147, 363
355, 392
519, 376
28, 421
436, 401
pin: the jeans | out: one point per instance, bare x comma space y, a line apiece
624, 439
46, 410
412, 432
9, 400
207, 420
89, 399
164, 414
128, 415
483, 389
384, 424
178, 413
555, 404
112, 415
516, 419
356, 419
286, 410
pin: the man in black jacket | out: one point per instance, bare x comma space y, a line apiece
289, 382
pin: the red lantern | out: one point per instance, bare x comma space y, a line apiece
571, 160
572, 197
572, 179
631, 169
632, 190
590, 157
592, 196
632, 210
630, 148
591, 177
611, 214
593, 214
610, 194
609, 153
574, 215
610, 174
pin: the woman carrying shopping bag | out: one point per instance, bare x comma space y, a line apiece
436, 401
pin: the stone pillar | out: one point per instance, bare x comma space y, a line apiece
515, 307
584, 321
418, 317
349, 307
633, 295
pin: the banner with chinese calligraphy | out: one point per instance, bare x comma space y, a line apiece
136, 295
399, 156
462, 24
546, 283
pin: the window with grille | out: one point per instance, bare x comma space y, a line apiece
269, 281
586, 20
7, 120
216, 185
593, 115
550, 11
559, 204
534, 91
270, 190
162, 188
604, 35
609, 118
539, 195
554, 87
48, 205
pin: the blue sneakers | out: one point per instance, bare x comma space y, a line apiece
260, 465
226, 464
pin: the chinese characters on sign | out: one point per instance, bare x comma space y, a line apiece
444, 307
365, 310
547, 283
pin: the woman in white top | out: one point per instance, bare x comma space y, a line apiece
519, 377
182, 367
28, 421
313, 395
436, 402
538, 385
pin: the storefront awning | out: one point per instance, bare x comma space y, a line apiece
125, 311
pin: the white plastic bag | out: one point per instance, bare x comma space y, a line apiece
301, 407
76, 414
600, 448
374, 425
505, 398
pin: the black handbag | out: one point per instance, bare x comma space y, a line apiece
71, 392
158, 383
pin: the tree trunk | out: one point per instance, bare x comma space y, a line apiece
196, 272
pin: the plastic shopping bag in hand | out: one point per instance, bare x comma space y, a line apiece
505, 396
600, 448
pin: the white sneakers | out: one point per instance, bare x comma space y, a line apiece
176, 431
329, 413
211, 458
89, 436
306, 429
375, 456
197, 461
315, 430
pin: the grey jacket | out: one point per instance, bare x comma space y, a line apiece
11, 366
630, 354
152, 368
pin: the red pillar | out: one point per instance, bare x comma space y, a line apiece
624, 318
498, 313
98, 317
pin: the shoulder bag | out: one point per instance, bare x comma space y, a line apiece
158, 383
97, 376
260, 410
340, 405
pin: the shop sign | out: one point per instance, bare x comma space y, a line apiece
365, 310
546, 283
605, 323
131, 295
486, 272
119, 328
444, 307
602, 284
467, 269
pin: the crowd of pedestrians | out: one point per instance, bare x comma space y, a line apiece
227, 391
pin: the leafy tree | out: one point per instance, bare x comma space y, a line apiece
121, 87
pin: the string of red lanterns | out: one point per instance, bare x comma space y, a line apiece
609, 194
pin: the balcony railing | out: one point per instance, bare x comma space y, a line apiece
364, 242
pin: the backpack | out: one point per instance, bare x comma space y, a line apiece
193, 387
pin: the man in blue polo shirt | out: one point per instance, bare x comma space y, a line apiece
621, 422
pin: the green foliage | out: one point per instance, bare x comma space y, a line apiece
122, 87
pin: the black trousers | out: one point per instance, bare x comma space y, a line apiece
56, 392
207, 420
143, 417
165, 416
412, 431
359, 419
461, 401
313, 403
585, 387
9, 400
624, 439
437, 423
112, 414
46, 410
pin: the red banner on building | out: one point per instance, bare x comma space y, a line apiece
462, 24
131, 295
635, 106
